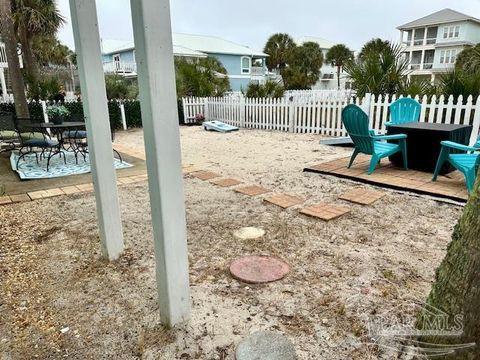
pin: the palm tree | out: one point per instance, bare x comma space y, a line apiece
279, 47
303, 71
8, 35
469, 59
456, 290
374, 46
338, 55
34, 18
379, 73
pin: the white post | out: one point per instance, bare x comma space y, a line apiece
124, 118
205, 108
156, 77
3, 84
242, 112
92, 84
44, 110
291, 115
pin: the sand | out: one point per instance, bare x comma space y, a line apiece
369, 261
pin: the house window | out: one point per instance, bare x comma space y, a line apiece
245, 65
453, 56
448, 56
451, 32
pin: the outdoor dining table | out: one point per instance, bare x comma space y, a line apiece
423, 143
57, 129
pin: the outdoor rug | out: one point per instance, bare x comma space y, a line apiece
29, 169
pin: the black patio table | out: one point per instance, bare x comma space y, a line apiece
423, 143
57, 129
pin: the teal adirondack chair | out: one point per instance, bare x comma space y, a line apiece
403, 111
467, 162
366, 142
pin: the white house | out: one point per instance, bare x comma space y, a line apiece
433, 42
328, 73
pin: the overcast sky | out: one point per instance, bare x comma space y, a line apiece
251, 22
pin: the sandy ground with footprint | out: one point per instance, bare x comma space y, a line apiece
368, 262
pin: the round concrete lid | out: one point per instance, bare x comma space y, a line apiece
258, 269
247, 233
265, 345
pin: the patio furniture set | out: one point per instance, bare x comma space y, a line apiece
45, 140
436, 148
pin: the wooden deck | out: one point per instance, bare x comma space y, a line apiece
387, 175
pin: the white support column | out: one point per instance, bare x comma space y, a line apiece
92, 84
3, 84
156, 77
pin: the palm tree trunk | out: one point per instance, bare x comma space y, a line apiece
457, 286
8, 36
338, 77
29, 62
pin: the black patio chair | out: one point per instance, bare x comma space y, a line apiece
8, 132
82, 145
38, 142
77, 133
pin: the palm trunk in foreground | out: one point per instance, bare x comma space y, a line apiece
8, 37
457, 285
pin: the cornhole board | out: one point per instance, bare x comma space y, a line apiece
218, 126
338, 141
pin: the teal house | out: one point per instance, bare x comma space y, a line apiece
243, 65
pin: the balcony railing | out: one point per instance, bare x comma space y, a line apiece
420, 42
425, 66
257, 71
119, 67
3, 57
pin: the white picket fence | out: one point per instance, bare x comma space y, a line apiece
324, 116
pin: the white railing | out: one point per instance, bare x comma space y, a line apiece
3, 56
119, 67
257, 71
318, 95
324, 117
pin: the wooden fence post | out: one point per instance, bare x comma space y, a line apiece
44, 110
242, 112
124, 118
291, 116
205, 108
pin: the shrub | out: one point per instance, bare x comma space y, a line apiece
270, 89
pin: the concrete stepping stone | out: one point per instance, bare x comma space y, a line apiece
362, 196
258, 269
205, 175
265, 345
252, 190
249, 233
284, 200
225, 182
325, 212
